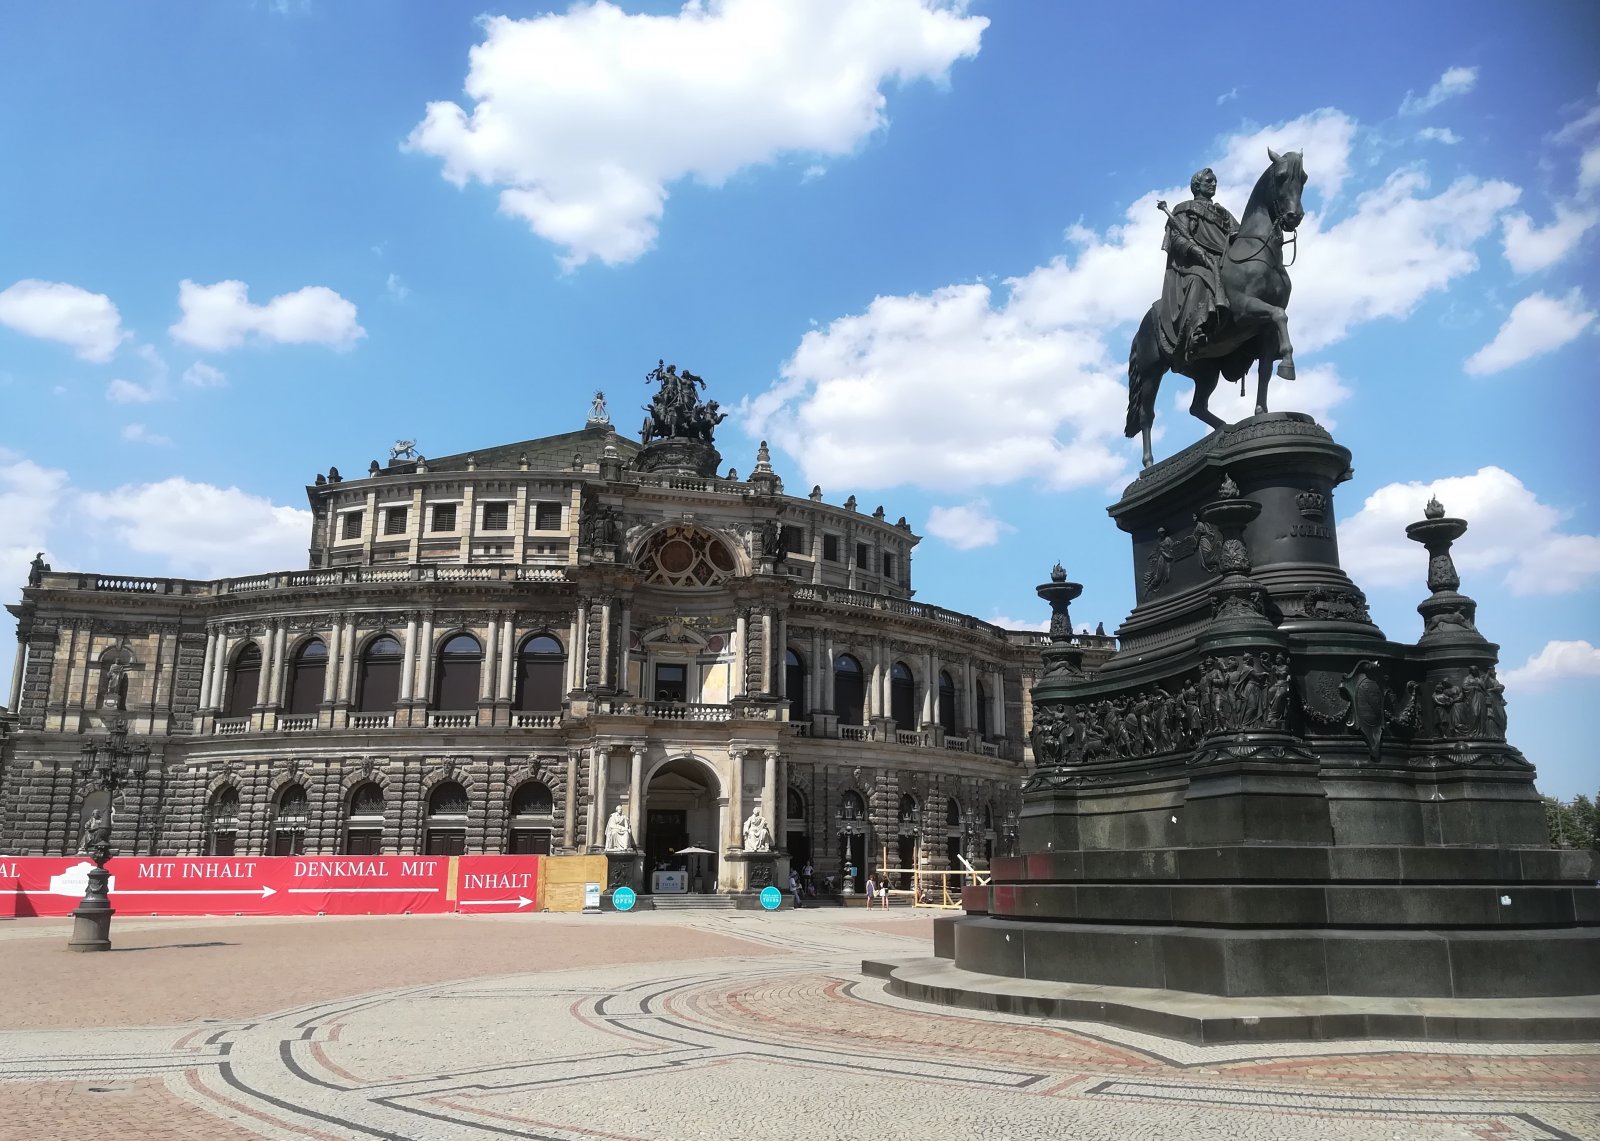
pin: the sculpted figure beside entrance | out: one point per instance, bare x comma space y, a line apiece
757, 835
619, 834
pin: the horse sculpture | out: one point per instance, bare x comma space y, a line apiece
1257, 287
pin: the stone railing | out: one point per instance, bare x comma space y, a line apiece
675, 710
536, 720
231, 726
372, 720
856, 733
800, 728
840, 596
451, 720
959, 744
910, 737
297, 723
299, 580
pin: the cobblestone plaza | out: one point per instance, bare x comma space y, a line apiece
665, 1025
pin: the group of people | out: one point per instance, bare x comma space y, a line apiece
1474, 708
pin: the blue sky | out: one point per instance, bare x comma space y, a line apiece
907, 242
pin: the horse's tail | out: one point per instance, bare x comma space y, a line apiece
1144, 377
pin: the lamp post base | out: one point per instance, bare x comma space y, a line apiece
91, 929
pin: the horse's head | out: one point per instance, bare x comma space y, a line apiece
1288, 177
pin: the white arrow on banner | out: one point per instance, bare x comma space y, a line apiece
520, 901
263, 891
341, 890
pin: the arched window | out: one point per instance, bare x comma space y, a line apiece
532, 819
795, 808
379, 685
541, 674
902, 697
952, 813
947, 702
223, 822
289, 821
456, 685
363, 833
447, 820
849, 690
306, 674
982, 710
794, 684
953, 834
244, 681
908, 809
851, 806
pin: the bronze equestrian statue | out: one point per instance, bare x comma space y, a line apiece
1222, 302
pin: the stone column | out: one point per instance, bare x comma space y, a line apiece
423, 692
408, 666
826, 680
489, 670
769, 796
570, 822
767, 684
624, 652
277, 670
780, 657
741, 632
508, 652
969, 696
347, 675
604, 678
330, 675
580, 648
264, 682
731, 837
206, 671
636, 792
569, 684
596, 821
814, 677
997, 691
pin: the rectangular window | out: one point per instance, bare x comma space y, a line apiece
888, 565
350, 524
830, 548
863, 557
794, 540
394, 521
496, 516
547, 516
444, 517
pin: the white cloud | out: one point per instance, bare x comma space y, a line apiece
1511, 534
1439, 135
202, 375
1589, 169
1530, 248
1456, 81
55, 311
197, 528
1040, 626
1228, 96
139, 434
1317, 390
395, 288
121, 391
584, 119
967, 526
1537, 325
30, 498
221, 316
1556, 662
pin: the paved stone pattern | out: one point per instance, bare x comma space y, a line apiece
726, 1025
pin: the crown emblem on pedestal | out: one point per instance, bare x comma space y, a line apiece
1312, 503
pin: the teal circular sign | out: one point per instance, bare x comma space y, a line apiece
771, 898
624, 898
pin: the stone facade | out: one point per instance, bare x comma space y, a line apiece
490, 652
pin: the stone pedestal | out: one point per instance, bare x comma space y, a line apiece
91, 921
679, 456
751, 871
1262, 798
624, 869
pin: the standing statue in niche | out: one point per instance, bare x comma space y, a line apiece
757, 836
619, 833
115, 675
1223, 298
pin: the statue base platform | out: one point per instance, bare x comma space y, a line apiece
624, 869
1255, 807
680, 456
91, 929
751, 871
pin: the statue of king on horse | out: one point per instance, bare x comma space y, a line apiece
1222, 302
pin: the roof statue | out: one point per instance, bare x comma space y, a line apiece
1223, 297
676, 411
404, 450
598, 416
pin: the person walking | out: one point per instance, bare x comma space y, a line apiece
872, 889
794, 889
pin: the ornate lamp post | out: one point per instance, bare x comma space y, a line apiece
106, 765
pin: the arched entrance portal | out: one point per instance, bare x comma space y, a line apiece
682, 810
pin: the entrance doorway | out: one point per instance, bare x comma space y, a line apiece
681, 811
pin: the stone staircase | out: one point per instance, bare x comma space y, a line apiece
695, 902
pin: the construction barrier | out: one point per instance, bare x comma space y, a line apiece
275, 885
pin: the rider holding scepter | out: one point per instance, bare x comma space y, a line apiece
1193, 303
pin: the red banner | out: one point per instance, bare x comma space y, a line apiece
274, 885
